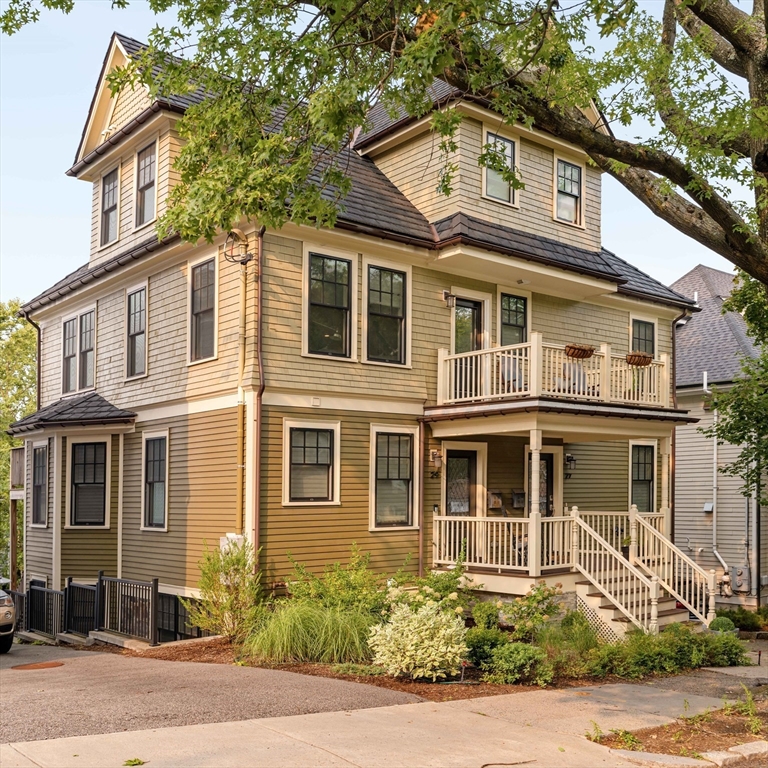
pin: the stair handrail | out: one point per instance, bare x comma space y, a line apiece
623, 572
647, 547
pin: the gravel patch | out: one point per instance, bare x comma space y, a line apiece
93, 693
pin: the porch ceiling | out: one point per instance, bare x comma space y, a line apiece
581, 422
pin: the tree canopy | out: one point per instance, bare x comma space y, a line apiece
290, 82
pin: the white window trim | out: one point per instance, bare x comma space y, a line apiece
334, 253
335, 426
119, 169
369, 261
128, 291
507, 291
645, 319
394, 429
481, 474
583, 191
557, 480
40, 444
191, 264
503, 133
76, 316
155, 141
487, 299
107, 482
144, 437
655, 445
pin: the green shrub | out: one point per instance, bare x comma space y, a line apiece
749, 621
674, 650
722, 624
486, 614
422, 643
518, 663
302, 630
567, 644
528, 614
230, 602
360, 670
354, 586
482, 642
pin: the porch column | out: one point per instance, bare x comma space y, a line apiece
534, 518
665, 509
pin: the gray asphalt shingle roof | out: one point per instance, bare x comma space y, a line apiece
80, 410
710, 341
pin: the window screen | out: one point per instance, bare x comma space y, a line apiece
311, 464
394, 478
89, 477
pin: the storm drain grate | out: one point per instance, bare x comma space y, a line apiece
40, 665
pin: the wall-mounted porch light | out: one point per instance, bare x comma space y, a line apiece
449, 299
570, 465
436, 459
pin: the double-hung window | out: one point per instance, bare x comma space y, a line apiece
89, 483
496, 186
329, 331
40, 485
137, 332
109, 198
79, 352
386, 315
155, 481
203, 319
393, 474
568, 192
643, 333
145, 185
514, 314
643, 461
311, 466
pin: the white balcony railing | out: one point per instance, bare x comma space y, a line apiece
539, 369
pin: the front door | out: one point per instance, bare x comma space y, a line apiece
467, 337
460, 483
546, 485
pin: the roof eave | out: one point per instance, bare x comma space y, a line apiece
40, 426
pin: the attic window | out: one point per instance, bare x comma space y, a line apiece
496, 186
109, 207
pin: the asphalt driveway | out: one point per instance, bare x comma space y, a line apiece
93, 693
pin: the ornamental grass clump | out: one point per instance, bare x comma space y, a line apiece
421, 643
306, 631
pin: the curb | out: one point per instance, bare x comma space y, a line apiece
732, 756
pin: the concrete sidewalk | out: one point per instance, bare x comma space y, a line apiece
542, 727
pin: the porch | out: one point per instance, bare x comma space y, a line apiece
541, 369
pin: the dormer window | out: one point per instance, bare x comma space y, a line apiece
568, 204
109, 192
145, 186
496, 186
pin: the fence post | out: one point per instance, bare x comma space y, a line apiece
605, 373
653, 626
712, 588
574, 537
67, 603
442, 376
98, 608
153, 606
633, 534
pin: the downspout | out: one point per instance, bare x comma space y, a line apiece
241, 402
708, 391
673, 449
422, 516
260, 392
39, 349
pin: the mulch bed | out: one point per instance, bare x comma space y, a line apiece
692, 736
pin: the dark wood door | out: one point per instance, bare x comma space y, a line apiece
460, 483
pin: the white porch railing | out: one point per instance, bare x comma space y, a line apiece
611, 526
542, 369
494, 542
688, 582
636, 596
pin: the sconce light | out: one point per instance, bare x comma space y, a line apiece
449, 299
435, 509
437, 461
570, 465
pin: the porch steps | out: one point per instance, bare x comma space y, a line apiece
614, 620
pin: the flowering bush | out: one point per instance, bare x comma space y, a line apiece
526, 615
427, 642
518, 663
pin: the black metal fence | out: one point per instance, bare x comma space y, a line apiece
20, 604
128, 607
45, 610
173, 621
80, 608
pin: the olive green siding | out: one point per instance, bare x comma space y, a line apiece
85, 550
202, 480
38, 542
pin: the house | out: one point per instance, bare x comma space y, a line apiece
715, 524
402, 381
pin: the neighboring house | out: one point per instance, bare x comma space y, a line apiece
415, 383
715, 524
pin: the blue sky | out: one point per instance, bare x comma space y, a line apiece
47, 75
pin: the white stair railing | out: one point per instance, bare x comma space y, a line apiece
635, 595
685, 580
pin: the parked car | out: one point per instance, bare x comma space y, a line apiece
7, 621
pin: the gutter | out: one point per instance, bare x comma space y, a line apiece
259, 393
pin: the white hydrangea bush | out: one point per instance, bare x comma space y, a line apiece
421, 643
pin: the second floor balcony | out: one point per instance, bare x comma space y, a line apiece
540, 369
